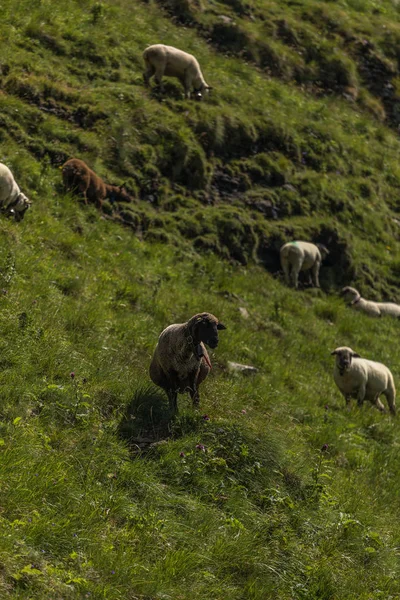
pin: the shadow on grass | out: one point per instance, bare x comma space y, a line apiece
148, 419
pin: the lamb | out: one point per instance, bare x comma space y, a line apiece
180, 361
363, 379
373, 309
163, 60
12, 200
302, 256
77, 177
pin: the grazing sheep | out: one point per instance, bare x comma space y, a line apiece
12, 200
77, 177
373, 309
163, 60
363, 379
302, 256
180, 361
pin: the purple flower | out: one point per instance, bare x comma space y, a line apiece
200, 447
326, 406
324, 448
72, 375
205, 418
182, 454
243, 411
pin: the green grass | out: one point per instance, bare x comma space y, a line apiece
281, 492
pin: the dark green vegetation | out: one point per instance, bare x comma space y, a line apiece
282, 493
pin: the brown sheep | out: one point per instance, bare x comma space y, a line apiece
180, 361
78, 178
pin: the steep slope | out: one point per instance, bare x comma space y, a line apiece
273, 490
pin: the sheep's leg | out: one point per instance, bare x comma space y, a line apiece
347, 400
361, 394
158, 77
149, 72
187, 85
195, 396
315, 273
391, 400
379, 404
173, 400
296, 268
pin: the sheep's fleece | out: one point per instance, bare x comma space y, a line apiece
302, 256
180, 361
12, 200
163, 60
369, 307
363, 379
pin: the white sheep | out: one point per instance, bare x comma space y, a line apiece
302, 256
373, 309
12, 200
180, 361
363, 379
163, 60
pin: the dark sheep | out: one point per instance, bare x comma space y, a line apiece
180, 362
78, 178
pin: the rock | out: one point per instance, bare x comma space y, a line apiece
244, 369
225, 19
244, 312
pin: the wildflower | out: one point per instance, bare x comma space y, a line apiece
112, 572
72, 375
200, 447
326, 406
205, 418
182, 454
243, 411
324, 448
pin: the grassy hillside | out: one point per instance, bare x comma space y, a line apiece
273, 490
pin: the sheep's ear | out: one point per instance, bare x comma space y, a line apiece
355, 355
333, 352
220, 326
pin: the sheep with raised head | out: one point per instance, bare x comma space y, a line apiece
363, 379
12, 200
79, 178
163, 60
369, 307
299, 256
181, 362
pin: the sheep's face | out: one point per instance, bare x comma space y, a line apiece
207, 331
349, 294
123, 194
19, 209
344, 357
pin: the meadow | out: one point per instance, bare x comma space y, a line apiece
272, 489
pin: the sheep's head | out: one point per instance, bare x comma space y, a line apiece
118, 193
344, 356
323, 250
202, 91
204, 328
123, 194
20, 207
350, 294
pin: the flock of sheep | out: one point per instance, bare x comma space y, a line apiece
180, 361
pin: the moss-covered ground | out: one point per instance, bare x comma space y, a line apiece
273, 489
